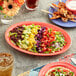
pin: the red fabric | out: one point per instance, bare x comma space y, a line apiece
66, 58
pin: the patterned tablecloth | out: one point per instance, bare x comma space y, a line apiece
35, 71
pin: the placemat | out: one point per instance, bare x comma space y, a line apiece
35, 71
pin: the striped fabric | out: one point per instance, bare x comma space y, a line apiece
34, 72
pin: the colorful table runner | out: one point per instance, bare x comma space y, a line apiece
35, 72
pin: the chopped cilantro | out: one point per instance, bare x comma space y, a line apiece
1, 8
47, 35
50, 30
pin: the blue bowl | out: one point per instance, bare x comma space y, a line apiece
59, 21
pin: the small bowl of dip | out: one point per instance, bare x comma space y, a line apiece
71, 5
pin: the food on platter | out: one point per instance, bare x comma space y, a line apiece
59, 71
6, 64
38, 39
62, 12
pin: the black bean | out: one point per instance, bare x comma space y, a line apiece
19, 31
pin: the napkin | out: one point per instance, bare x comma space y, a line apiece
35, 71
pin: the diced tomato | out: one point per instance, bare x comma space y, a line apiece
53, 39
53, 70
45, 43
45, 37
49, 44
49, 34
49, 41
53, 31
64, 70
46, 28
50, 38
49, 49
45, 33
1, 3
46, 40
42, 45
42, 40
58, 70
44, 49
52, 35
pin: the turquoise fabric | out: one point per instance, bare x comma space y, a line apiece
35, 72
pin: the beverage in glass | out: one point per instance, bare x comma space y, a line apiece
6, 64
31, 4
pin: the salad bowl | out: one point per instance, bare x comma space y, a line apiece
66, 36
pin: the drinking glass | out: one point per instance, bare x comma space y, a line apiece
31, 4
6, 19
6, 64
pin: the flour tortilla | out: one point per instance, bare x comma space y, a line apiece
55, 68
